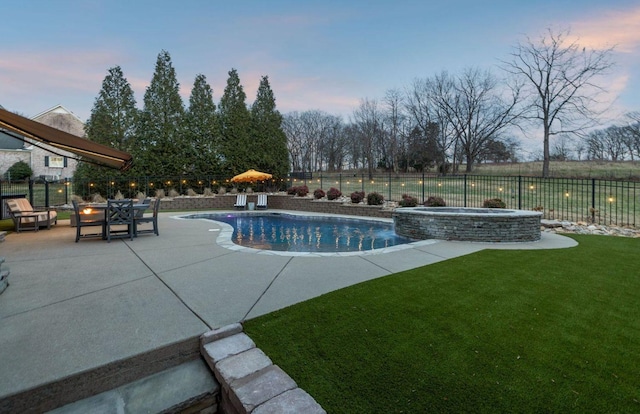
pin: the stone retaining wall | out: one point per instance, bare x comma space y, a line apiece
275, 201
249, 382
479, 226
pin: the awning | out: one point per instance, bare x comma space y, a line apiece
92, 151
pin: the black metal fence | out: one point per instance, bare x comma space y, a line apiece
590, 200
40, 193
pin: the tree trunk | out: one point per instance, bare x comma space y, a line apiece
545, 157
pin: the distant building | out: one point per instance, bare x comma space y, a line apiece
45, 161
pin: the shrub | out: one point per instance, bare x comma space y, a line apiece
191, 192
302, 191
408, 201
222, 190
19, 171
494, 203
207, 192
173, 193
357, 196
141, 196
434, 202
375, 199
292, 190
160, 194
318, 194
333, 193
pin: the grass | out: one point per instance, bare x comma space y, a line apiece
607, 170
496, 331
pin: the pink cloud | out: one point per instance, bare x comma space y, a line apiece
616, 28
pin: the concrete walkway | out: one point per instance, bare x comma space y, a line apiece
76, 315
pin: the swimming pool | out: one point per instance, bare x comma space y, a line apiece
296, 233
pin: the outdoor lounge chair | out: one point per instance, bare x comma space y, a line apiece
25, 216
87, 220
241, 201
262, 201
142, 219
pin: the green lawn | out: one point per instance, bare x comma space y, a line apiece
496, 331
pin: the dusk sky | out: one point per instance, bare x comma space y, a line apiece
324, 55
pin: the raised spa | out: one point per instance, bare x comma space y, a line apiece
468, 224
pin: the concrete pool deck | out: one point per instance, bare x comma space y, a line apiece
76, 314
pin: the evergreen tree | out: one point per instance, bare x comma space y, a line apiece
201, 130
161, 147
112, 122
234, 121
271, 154
114, 114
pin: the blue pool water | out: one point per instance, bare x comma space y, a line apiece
292, 233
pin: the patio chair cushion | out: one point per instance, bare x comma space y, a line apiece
24, 215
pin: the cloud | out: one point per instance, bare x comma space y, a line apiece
619, 28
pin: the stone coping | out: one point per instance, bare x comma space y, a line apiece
249, 381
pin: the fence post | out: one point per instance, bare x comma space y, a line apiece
46, 193
593, 199
31, 191
389, 185
362, 182
423, 200
519, 192
340, 182
464, 204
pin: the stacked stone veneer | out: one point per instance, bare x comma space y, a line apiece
275, 201
476, 225
249, 382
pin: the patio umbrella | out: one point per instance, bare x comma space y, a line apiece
250, 176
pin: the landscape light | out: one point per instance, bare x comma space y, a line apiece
610, 198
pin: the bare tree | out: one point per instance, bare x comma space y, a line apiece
421, 107
632, 134
561, 148
474, 106
395, 121
560, 76
367, 120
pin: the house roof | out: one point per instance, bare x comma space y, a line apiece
90, 150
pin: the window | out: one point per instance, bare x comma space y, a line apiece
55, 162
